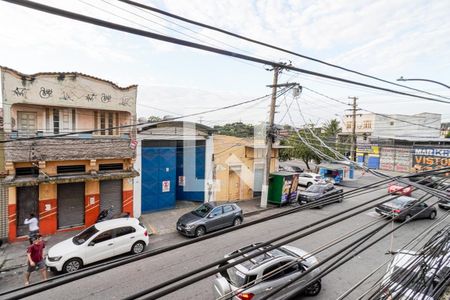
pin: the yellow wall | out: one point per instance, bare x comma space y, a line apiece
232, 151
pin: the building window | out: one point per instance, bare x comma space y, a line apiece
55, 121
367, 124
107, 121
392, 123
349, 125
102, 123
27, 122
71, 169
110, 123
110, 167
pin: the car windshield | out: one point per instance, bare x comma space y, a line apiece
202, 210
315, 189
398, 202
84, 235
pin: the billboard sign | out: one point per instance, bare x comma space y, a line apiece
427, 158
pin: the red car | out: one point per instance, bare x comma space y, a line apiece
400, 190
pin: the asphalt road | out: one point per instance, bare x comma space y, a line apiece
126, 280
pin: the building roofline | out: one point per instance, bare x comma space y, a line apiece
31, 76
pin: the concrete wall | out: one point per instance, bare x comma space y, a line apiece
396, 128
48, 217
364, 123
233, 153
73, 90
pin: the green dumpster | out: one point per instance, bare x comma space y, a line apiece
282, 187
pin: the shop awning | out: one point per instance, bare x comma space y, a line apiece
68, 178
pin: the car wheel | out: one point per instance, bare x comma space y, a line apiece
432, 215
72, 265
313, 289
201, 230
407, 218
237, 222
309, 184
138, 247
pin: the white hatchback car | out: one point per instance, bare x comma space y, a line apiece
98, 242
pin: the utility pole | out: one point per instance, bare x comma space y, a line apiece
269, 138
353, 151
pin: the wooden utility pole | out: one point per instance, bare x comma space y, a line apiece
353, 151
269, 138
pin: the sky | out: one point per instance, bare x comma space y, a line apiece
384, 38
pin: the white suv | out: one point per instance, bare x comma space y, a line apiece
98, 242
307, 179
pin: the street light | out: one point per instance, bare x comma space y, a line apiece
417, 79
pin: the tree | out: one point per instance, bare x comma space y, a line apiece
154, 119
237, 129
332, 129
300, 150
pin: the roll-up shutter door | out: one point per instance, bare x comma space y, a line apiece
27, 202
70, 204
111, 195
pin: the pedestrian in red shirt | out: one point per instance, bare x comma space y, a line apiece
35, 259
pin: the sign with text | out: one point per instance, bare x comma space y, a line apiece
427, 158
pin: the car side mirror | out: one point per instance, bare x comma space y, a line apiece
91, 244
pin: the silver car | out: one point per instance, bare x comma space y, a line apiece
250, 279
209, 217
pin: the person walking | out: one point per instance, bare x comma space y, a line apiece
33, 226
35, 258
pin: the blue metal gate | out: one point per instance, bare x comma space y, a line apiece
158, 178
190, 184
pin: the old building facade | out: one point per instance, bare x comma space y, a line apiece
68, 152
239, 167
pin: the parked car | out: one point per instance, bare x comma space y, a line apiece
405, 207
398, 189
409, 270
318, 191
307, 179
253, 274
290, 168
209, 217
430, 181
444, 202
98, 242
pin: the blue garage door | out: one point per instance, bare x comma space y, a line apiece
190, 184
158, 178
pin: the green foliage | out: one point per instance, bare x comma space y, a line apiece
448, 135
154, 119
300, 150
237, 129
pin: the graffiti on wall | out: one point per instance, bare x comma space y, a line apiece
425, 158
45, 93
105, 98
90, 97
20, 92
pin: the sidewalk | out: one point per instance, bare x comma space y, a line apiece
13, 255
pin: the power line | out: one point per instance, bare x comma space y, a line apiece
144, 123
147, 7
379, 114
65, 278
114, 26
